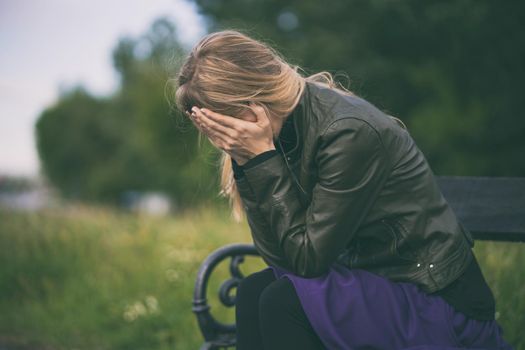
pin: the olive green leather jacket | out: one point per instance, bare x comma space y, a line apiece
354, 190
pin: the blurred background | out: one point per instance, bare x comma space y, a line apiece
108, 204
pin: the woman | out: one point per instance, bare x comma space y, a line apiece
363, 250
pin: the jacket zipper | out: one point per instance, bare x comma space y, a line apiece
290, 168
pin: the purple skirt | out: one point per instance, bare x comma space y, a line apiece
357, 309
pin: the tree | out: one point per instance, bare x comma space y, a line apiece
99, 148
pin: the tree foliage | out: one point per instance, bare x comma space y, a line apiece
99, 148
452, 70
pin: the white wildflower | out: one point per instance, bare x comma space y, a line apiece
172, 275
153, 304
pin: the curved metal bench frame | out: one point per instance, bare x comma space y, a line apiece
218, 335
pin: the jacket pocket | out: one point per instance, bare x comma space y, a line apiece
403, 247
374, 246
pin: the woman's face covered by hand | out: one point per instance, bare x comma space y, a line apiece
242, 137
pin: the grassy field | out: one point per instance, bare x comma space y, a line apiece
88, 278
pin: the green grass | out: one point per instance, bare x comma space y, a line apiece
89, 278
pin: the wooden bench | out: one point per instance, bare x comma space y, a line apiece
491, 208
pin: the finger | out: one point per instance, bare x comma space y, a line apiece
216, 127
215, 143
216, 138
199, 123
260, 113
219, 143
206, 125
191, 117
219, 140
196, 123
224, 120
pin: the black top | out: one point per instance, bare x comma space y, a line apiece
468, 294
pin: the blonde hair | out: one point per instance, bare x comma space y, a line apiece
227, 69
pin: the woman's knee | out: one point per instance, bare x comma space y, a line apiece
277, 298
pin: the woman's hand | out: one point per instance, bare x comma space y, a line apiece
241, 139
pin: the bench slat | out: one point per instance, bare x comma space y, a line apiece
491, 208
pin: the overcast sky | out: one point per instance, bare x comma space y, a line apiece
45, 45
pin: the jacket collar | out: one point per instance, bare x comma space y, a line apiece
298, 119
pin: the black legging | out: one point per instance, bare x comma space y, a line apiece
269, 315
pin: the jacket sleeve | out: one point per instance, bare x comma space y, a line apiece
268, 249
352, 168
266, 245
238, 170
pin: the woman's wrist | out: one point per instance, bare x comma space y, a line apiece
238, 169
261, 157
